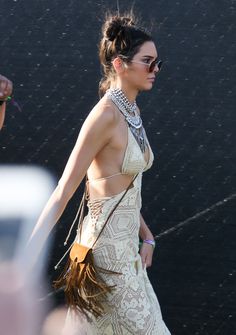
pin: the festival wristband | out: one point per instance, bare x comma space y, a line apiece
152, 242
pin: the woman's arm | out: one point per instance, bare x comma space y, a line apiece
144, 231
95, 133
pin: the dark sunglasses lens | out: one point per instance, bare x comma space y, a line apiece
159, 64
153, 64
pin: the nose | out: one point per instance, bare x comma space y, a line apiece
156, 68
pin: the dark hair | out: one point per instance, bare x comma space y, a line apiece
121, 36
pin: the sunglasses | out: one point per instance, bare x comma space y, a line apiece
152, 65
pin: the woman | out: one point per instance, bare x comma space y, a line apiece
112, 148
5, 92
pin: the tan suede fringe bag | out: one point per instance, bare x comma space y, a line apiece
84, 287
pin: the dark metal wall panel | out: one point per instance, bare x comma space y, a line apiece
49, 50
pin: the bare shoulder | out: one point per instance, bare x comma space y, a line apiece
101, 122
105, 112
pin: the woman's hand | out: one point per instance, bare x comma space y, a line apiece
146, 250
5, 88
146, 253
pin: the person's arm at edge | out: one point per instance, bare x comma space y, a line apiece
2, 114
6, 88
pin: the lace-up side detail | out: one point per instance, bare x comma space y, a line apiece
95, 208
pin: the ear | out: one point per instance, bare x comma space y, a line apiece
118, 65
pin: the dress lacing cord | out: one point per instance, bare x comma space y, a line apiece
95, 207
80, 214
104, 178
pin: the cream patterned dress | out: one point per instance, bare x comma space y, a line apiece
133, 307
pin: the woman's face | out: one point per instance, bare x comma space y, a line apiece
137, 71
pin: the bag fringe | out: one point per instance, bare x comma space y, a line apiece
83, 285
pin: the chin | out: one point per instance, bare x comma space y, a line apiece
147, 87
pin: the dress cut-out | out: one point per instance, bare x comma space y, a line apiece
133, 307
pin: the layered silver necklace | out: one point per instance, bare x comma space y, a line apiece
129, 110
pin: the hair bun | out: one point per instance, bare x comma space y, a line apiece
115, 25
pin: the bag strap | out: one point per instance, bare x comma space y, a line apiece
80, 213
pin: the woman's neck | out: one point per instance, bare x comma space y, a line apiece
130, 93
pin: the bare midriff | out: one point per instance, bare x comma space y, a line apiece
108, 186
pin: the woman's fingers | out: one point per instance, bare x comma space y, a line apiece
148, 261
146, 253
